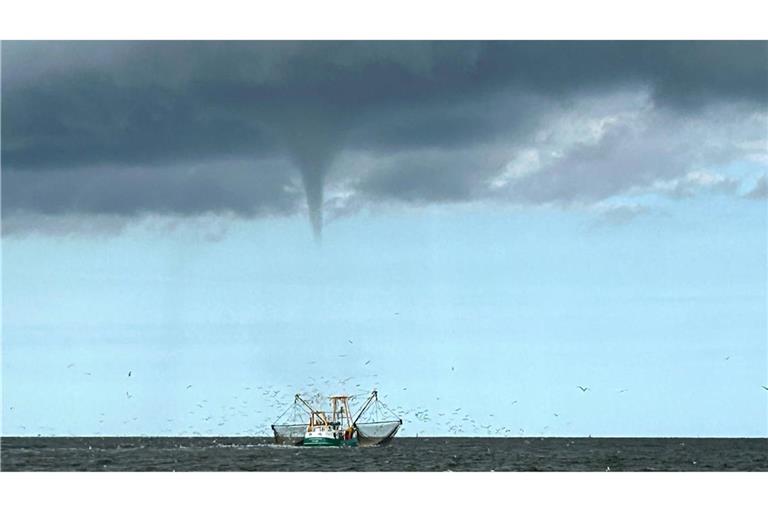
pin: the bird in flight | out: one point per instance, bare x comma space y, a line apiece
128, 395
70, 365
765, 388
727, 357
623, 390
582, 388
514, 402
129, 372
189, 386
349, 341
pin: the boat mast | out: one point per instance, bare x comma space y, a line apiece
340, 410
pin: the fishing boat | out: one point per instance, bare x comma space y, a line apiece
304, 425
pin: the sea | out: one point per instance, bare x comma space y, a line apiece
402, 454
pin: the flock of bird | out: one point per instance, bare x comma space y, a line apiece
268, 400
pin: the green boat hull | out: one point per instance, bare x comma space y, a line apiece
324, 441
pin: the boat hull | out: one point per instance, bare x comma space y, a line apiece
325, 441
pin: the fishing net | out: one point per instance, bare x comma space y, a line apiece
375, 434
289, 434
377, 426
291, 426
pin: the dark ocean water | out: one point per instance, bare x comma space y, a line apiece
403, 454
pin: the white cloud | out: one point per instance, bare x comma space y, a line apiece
692, 183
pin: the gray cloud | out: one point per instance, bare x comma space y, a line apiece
760, 190
643, 151
250, 188
431, 176
188, 128
619, 214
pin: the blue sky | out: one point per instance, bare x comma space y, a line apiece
523, 305
192, 232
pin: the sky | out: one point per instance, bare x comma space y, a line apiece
193, 232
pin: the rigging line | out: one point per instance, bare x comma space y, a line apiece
388, 409
284, 413
297, 413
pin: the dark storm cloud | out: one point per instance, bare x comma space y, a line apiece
248, 188
93, 127
436, 177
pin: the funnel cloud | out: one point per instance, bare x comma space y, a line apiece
312, 148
